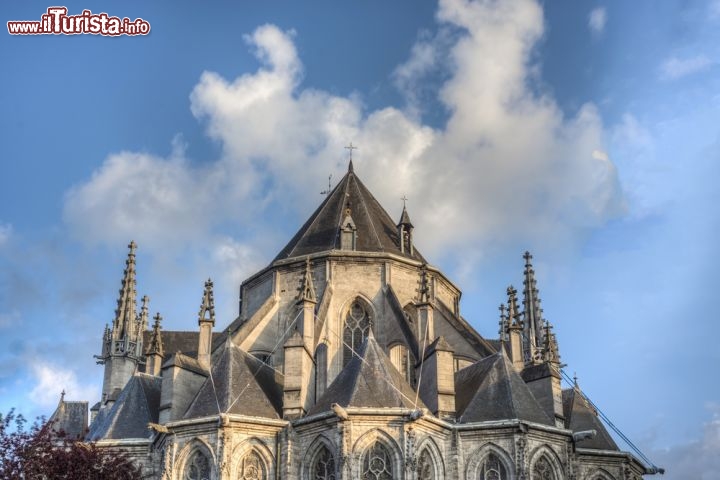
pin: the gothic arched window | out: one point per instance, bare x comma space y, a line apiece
492, 469
425, 466
252, 467
357, 328
542, 470
377, 463
197, 467
323, 466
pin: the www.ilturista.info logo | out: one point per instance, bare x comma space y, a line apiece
57, 22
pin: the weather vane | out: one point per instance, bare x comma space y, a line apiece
329, 189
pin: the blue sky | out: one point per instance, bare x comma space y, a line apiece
586, 132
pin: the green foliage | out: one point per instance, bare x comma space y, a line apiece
37, 452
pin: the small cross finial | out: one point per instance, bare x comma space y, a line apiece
527, 258
404, 199
351, 147
132, 246
575, 379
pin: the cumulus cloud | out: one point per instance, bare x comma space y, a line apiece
51, 379
699, 459
597, 20
674, 67
5, 233
507, 165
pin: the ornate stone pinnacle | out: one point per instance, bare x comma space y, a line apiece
207, 307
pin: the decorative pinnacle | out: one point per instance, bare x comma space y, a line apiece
307, 290
207, 307
62, 396
513, 316
424, 289
531, 304
155, 346
503, 321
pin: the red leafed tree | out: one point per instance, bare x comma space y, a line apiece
39, 453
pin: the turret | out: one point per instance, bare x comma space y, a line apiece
405, 229
122, 344
206, 321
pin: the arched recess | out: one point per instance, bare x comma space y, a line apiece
430, 465
378, 457
356, 321
545, 465
599, 474
490, 462
321, 460
196, 462
252, 460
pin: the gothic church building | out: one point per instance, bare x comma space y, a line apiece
349, 359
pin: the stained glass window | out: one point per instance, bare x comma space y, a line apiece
377, 463
197, 467
493, 469
425, 467
323, 467
542, 470
252, 468
357, 327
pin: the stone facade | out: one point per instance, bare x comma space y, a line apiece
349, 359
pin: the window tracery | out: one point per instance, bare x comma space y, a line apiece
252, 467
357, 328
377, 463
197, 467
493, 469
425, 466
542, 470
323, 467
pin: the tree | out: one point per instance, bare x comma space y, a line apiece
40, 453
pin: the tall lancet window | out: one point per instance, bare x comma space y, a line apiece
197, 467
377, 463
323, 467
357, 328
542, 470
493, 469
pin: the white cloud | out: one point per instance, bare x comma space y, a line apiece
597, 20
5, 233
674, 67
51, 380
508, 165
697, 460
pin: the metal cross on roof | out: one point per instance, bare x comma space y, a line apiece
404, 199
351, 147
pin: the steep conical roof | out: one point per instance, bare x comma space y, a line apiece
376, 231
137, 405
580, 416
368, 380
240, 384
491, 389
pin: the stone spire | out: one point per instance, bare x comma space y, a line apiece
532, 314
123, 324
551, 352
307, 290
503, 323
207, 307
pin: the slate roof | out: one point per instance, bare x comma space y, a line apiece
179, 341
137, 405
491, 389
70, 418
240, 384
376, 230
368, 380
579, 416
